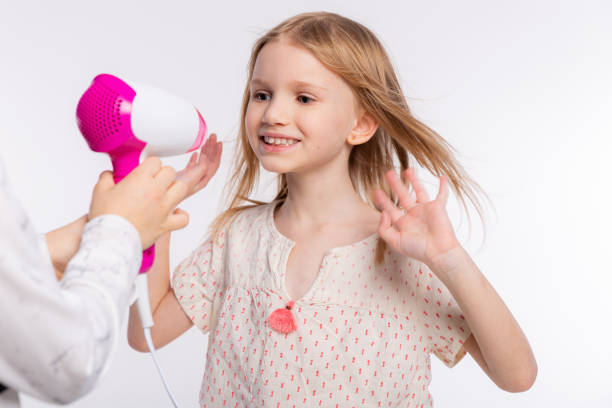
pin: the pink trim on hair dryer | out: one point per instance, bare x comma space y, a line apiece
201, 134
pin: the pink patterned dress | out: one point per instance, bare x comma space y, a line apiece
364, 333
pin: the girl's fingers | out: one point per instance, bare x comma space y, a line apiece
419, 190
443, 192
192, 160
403, 194
386, 230
208, 169
210, 146
218, 150
387, 205
206, 152
214, 154
214, 166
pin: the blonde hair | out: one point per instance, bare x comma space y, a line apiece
353, 52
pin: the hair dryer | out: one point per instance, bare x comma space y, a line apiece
129, 121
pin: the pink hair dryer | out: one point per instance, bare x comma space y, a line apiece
130, 121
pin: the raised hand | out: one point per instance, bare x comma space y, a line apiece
199, 170
420, 227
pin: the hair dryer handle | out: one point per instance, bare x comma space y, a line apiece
148, 256
121, 167
124, 163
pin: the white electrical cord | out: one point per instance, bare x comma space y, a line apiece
144, 310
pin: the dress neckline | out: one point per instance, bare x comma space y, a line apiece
289, 242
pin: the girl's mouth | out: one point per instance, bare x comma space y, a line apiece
278, 141
270, 144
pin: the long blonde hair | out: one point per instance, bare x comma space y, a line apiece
353, 52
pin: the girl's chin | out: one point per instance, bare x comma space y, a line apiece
272, 168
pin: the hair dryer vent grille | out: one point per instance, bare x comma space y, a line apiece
99, 114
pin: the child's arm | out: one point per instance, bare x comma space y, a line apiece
497, 342
423, 231
170, 321
168, 315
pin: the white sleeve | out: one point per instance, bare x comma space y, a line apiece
56, 339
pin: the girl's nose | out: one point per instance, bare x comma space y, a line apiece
276, 113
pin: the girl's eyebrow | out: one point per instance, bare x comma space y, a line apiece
295, 84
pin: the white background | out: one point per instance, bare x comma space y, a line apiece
522, 89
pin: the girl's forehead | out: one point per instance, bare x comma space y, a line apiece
284, 61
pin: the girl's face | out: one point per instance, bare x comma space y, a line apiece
294, 97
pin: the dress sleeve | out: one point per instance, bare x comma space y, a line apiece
198, 281
440, 318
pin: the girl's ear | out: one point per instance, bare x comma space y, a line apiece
364, 129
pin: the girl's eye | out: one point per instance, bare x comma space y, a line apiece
260, 96
305, 99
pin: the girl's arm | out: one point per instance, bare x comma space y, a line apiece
170, 321
497, 342
423, 231
168, 315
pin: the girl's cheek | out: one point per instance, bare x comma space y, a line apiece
253, 115
250, 122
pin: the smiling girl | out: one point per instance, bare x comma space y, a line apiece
337, 291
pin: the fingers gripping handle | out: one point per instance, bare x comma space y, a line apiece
121, 167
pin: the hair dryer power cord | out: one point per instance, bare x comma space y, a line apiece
144, 310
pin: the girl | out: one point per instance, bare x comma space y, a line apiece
336, 292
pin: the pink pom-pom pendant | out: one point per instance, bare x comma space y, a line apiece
282, 320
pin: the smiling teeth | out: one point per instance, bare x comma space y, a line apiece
278, 141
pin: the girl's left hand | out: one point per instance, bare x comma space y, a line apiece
199, 170
423, 230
